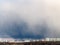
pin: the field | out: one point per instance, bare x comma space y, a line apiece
32, 43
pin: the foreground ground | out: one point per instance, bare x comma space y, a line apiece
32, 43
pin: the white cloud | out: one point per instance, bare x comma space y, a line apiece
34, 12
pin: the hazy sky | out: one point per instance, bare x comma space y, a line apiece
29, 18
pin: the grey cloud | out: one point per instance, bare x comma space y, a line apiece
37, 17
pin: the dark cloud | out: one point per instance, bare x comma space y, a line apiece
29, 18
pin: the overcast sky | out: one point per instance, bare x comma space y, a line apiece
29, 18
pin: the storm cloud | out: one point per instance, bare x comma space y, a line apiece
29, 18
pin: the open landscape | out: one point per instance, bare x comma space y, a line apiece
46, 41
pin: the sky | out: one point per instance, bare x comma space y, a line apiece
29, 19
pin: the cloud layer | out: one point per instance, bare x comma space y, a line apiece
29, 18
